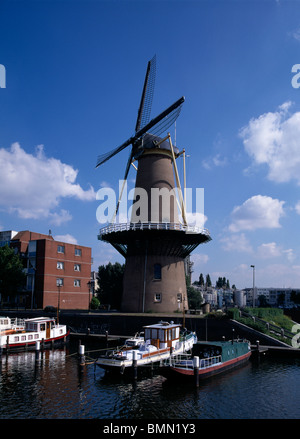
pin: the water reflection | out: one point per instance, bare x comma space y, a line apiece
54, 385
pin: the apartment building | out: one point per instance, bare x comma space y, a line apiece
57, 273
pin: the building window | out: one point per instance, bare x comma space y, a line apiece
157, 297
59, 282
77, 267
76, 282
77, 251
179, 298
157, 271
60, 249
60, 265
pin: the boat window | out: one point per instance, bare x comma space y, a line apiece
36, 336
23, 337
30, 337
154, 333
16, 339
162, 335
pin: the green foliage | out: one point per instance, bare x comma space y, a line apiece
12, 276
111, 284
194, 297
95, 303
233, 313
274, 316
264, 313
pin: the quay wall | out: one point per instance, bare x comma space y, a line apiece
127, 324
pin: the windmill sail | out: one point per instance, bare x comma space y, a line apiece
147, 95
161, 122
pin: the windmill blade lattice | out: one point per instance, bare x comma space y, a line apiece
147, 95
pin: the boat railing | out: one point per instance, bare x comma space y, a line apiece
210, 361
186, 361
17, 323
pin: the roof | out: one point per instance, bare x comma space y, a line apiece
163, 325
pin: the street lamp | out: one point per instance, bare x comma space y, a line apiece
253, 266
58, 300
90, 287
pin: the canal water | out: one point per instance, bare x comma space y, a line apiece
57, 387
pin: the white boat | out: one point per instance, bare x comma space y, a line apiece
161, 341
10, 326
41, 330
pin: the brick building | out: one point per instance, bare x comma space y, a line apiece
57, 273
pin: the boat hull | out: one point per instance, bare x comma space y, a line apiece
206, 372
31, 345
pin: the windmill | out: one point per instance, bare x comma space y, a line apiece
154, 277
141, 139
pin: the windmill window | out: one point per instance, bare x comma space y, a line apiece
157, 271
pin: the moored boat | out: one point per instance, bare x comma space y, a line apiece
160, 342
208, 359
41, 329
10, 326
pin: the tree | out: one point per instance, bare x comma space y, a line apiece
201, 280
110, 278
208, 281
194, 297
95, 303
12, 276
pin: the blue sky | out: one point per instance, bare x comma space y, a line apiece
74, 76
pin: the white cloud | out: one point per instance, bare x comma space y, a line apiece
66, 238
257, 212
215, 161
297, 207
295, 34
33, 185
272, 250
273, 139
237, 243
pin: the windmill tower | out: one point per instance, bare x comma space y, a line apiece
158, 238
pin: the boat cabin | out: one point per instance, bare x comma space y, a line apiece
40, 324
163, 334
5, 323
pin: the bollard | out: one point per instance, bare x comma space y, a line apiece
81, 355
37, 351
134, 364
196, 370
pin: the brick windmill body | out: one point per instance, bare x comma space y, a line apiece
157, 239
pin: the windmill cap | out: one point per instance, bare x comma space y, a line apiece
150, 141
